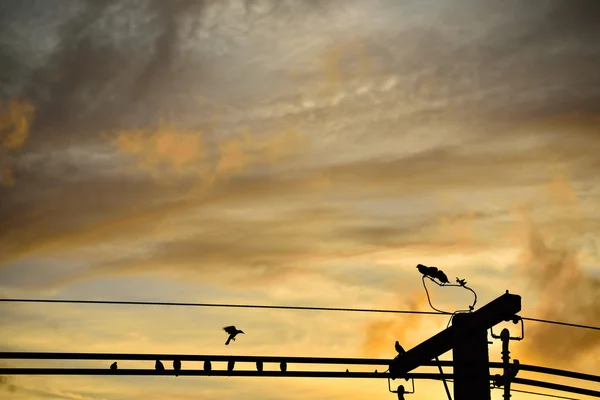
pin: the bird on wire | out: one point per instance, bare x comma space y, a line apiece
233, 332
441, 276
427, 271
177, 366
230, 365
113, 366
283, 366
259, 366
207, 366
159, 366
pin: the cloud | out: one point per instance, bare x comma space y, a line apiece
551, 265
15, 122
381, 334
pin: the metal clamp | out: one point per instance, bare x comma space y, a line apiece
401, 390
515, 320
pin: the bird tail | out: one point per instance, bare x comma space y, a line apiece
228, 340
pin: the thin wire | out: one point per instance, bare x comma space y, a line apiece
429, 299
545, 321
150, 303
278, 307
455, 312
542, 394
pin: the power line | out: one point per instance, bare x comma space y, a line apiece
596, 328
542, 394
272, 307
556, 386
222, 305
289, 374
269, 359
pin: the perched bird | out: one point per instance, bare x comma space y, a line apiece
159, 366
441, 276
283, 366
347, 371
177, 366
259, 366
207, 366
230, 365
461, 282
427, 271
399, 348
233, 332
113, 366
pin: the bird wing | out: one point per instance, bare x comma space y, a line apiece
230, 329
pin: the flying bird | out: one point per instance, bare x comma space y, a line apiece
259, 366
233, 332
441, 276
283, 366
159, 366
207, 366
113, 366
177, 366
399, 348
230, 365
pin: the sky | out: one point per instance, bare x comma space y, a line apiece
293, 152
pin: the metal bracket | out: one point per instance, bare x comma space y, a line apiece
405, 391
515, 320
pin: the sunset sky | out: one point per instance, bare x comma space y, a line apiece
293, 152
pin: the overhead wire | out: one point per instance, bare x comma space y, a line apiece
257, 306
542, 394
221, 305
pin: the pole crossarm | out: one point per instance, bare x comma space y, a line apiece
501, 309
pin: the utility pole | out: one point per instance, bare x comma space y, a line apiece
471, 362
505, 336
467, 338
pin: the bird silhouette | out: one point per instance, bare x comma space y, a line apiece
113, 366
427, 271
230, 365
283, 366
399, 348
159, 366
441, 276
207, 366
259, 366
347, 371
461, 282
233, 332
177, 366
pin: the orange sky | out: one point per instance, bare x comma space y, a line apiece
298, 153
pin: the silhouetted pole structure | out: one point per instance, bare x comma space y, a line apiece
505, 337
471, 363
467, 337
